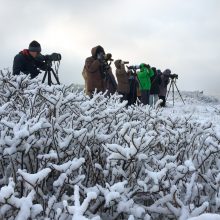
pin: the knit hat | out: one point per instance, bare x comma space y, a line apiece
34, 46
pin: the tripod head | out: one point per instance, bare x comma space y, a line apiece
173, 76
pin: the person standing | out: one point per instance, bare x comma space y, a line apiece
122, 75
165, 80
92, 72
144, 77
155, 83
133, 85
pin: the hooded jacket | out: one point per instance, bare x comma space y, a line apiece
144, 77
92, 72
25, 63
165, 80
122, 78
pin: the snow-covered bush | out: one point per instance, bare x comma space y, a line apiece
65, 156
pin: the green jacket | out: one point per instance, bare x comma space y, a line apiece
144, 77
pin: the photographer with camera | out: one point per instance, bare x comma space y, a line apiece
144, 77
31, 61
165, 80
123, 79
26, 61
92, 72
97, 72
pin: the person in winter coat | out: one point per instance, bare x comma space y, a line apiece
144, 77
155, 83
133, 86
26, 61
92, 72
165, 80
123, 79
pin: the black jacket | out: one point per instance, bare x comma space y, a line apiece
25, 63
155, 83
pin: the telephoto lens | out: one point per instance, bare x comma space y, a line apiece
54, 57
126, 62
49, 58
174, 76
133, 67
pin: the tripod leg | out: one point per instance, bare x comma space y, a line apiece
179, 93
173, 91
55, 76
49, 78
169, 90
45, 74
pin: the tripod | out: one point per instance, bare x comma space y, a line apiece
48, 73
172, 84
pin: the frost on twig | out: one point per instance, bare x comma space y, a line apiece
65, 156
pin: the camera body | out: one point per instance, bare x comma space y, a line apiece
49, 58
108, 57
53, 57
173, 76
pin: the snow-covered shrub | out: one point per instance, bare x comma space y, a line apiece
65, 156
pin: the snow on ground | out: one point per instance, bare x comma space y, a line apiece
198, 106
202, 108
206, 217
65, 156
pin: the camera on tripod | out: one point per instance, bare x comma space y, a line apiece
49, 59
173, 85
53, 57
173, 76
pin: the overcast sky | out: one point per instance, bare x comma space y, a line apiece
183, 35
